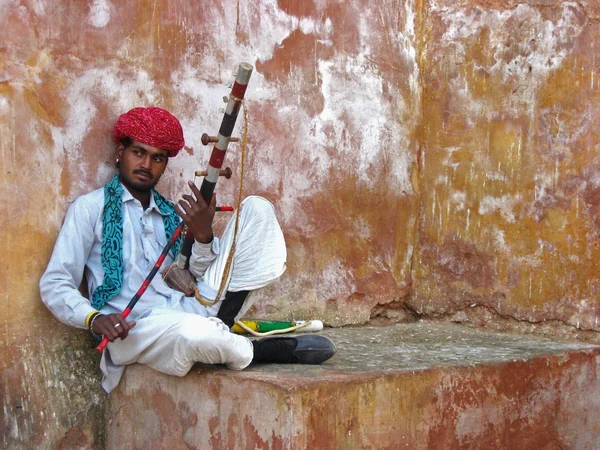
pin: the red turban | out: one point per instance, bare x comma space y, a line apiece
151, 126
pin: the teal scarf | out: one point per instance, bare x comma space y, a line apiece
112, 238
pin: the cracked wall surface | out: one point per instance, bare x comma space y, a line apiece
438, 156
509, 220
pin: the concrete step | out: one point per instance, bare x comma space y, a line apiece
414, 386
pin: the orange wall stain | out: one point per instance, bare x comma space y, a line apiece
439, 154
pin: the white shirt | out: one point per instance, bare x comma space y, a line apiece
79, 246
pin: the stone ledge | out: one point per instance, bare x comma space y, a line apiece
404, 386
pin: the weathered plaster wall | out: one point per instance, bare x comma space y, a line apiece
461, 129
334, 109
509, 220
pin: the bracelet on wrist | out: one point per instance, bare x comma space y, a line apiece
92, 319
89, 317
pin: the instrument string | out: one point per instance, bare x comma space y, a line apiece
229, 262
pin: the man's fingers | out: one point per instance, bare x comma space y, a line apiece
120, 329
119, 326
179, 210
130, 325
195, 190
124, 330
185, 207
191, 200
104, 326
110, 332
113, 326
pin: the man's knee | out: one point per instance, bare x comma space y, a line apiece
259, 206
208, 343
197, 331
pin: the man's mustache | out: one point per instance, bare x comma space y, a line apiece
142, 171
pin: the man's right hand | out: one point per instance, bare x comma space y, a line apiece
197, 214
112, 326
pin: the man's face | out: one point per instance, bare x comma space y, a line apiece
141, 165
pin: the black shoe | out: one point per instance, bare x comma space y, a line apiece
305, 349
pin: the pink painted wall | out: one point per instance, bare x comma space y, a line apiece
435, 155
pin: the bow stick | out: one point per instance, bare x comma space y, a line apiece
208, 184
104, 342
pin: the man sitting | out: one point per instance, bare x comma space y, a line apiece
115, 235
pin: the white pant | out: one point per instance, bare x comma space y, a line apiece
259, 258
173, 340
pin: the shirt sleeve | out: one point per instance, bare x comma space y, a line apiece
202, 256
59, 284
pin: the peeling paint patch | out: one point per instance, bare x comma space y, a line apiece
99, 15
39, 7
505, 205
535, 48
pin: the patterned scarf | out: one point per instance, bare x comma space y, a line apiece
112, 238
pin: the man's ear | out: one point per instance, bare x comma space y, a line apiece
119, 152
119, 155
